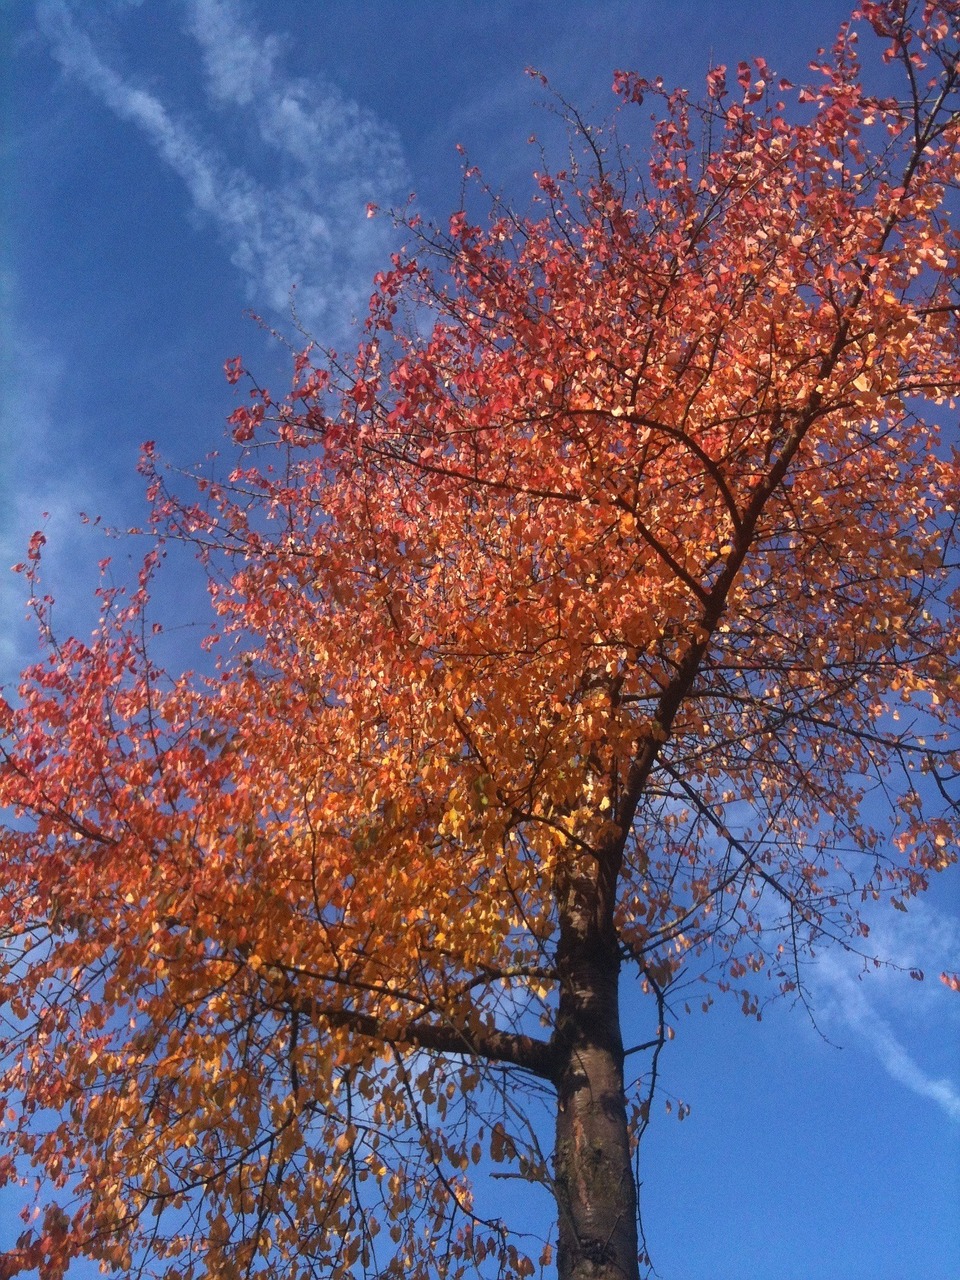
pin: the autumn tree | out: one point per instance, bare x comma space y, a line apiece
600, 616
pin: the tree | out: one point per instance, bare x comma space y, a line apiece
601, 612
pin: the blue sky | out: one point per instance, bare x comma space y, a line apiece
170, 163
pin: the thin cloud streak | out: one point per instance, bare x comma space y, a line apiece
849, 995
44, 488
310, 228
925, 939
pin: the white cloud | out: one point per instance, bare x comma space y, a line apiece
44, 486
877, 1007
236, 64
868, 1006
308, 226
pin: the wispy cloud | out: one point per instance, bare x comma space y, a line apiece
867, 1006
309, 227
42, 485
876, 1007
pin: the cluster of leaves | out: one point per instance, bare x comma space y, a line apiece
622, 557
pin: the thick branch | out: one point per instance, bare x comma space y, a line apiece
487, 1043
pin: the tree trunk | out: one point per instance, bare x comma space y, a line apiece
595, 1189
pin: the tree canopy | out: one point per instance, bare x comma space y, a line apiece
601, 612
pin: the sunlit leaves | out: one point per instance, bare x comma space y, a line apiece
611, 586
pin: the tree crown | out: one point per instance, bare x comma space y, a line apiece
602, 610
